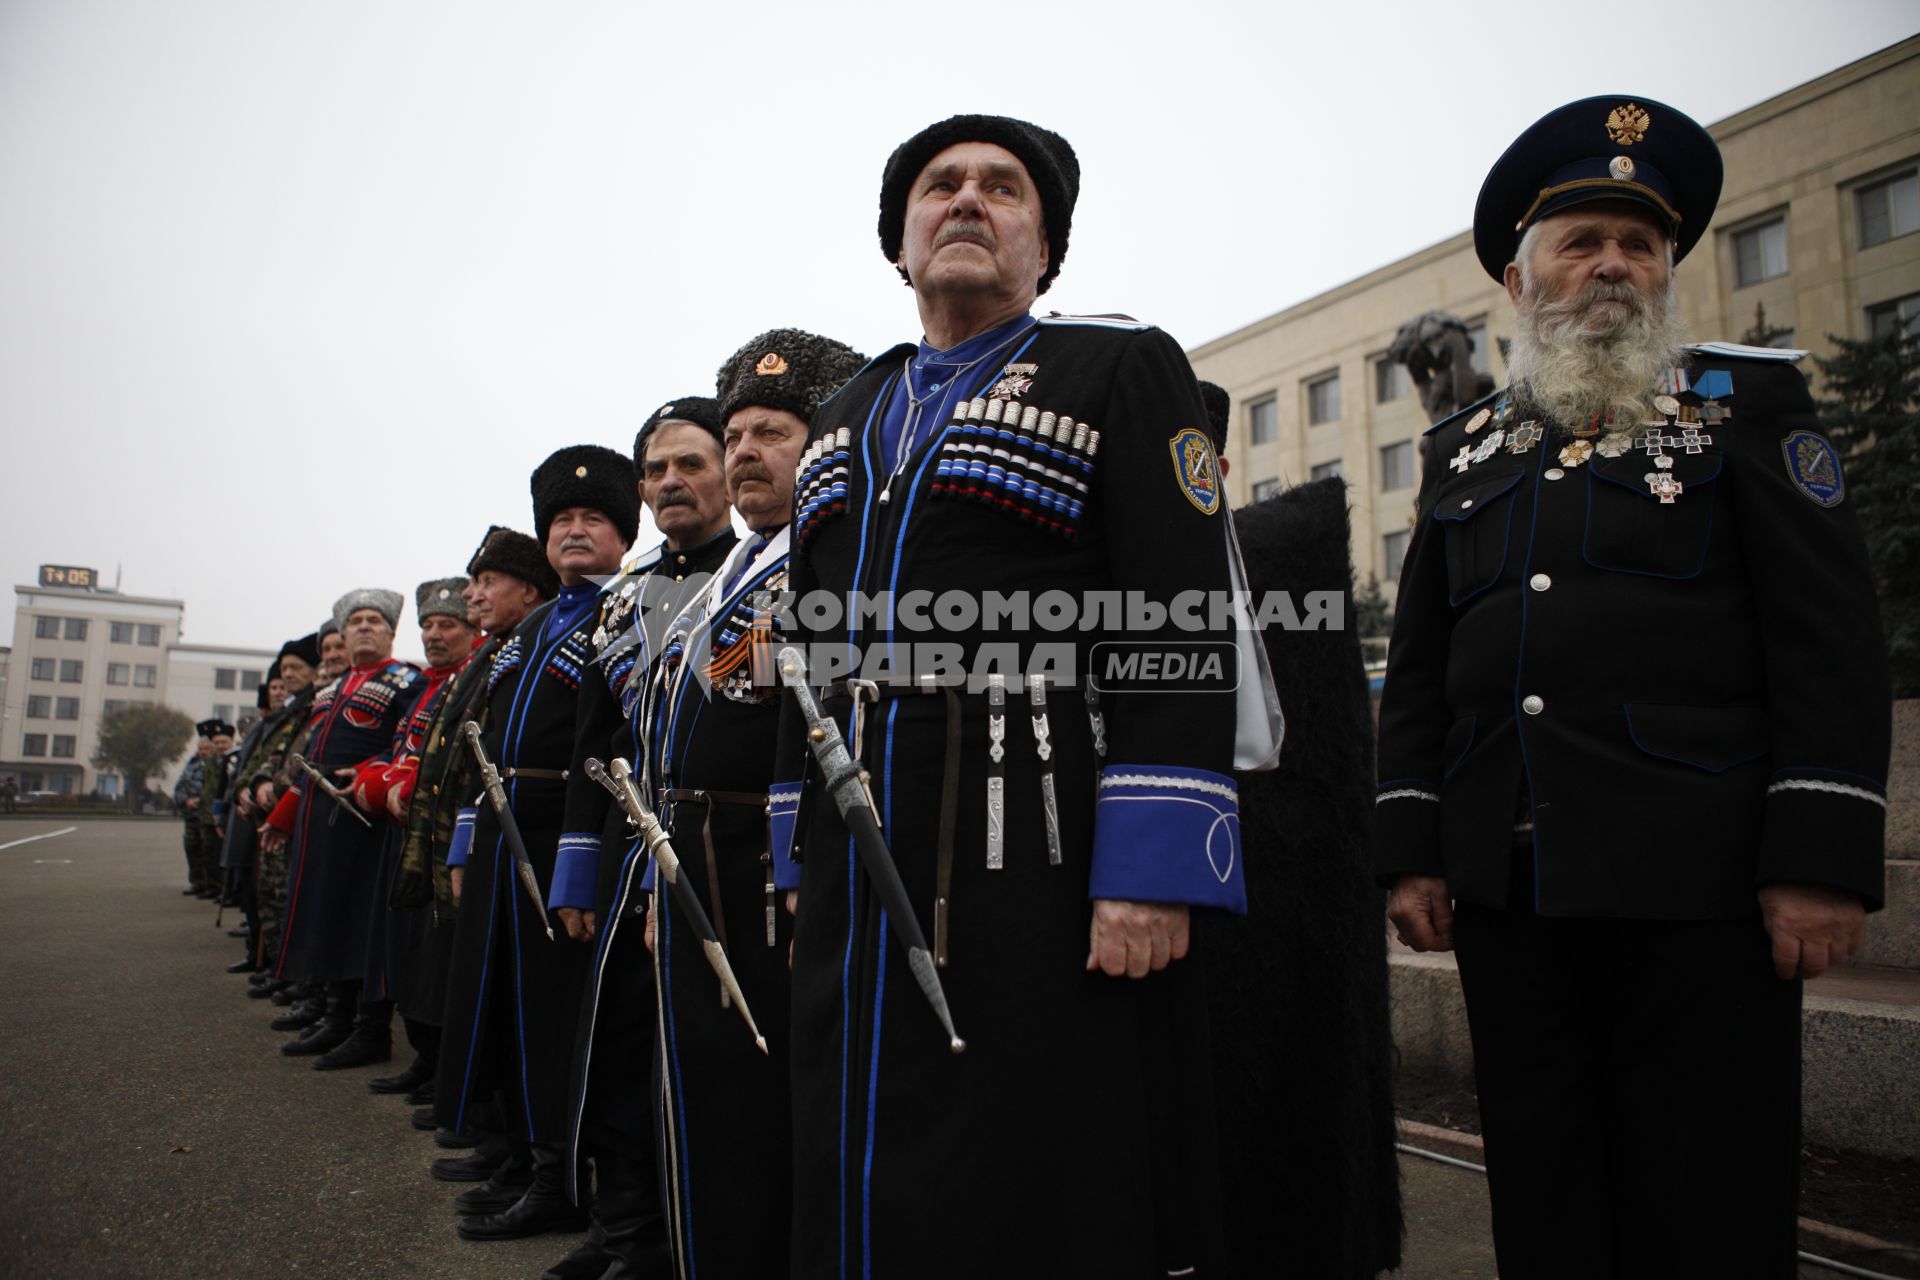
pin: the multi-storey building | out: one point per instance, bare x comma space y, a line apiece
80, 651
1816, 224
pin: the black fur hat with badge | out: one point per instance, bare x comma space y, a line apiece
787, 369
587, 475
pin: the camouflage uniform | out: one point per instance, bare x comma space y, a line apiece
276, 765
210, 817
188, 788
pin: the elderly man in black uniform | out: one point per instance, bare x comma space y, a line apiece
705, 736
514, 992
1634, 735
676, 454
1052, 845
333, 875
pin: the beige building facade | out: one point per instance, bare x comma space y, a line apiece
1818, 222
78, 652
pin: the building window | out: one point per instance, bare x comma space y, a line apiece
1760, 253
63, 744
224, 677
150, 633
249, 681
1264, 489
66, 708
120, 632
223, 711
1393, 552
76, 628
1263, 421
1889, 208
1396, 466
46, 628
72, 671
118, 672
1323, 400
1332, 467
41, 669
33, 782
112, 705
1390, 380
33, 744
1880, 319
1477, 339
146, 677
39, 706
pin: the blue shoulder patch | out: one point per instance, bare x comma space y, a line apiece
1195, 470
1814, 467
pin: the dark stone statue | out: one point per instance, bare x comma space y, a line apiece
1438, 356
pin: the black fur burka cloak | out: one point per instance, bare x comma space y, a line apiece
1302, 1050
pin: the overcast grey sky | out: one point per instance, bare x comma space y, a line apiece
293, 296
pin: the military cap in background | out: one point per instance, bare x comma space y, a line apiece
787, 369
214, 728
388, 603
1607, 148
306, 648
441, 598
587, 475
701, 411
327, 628
1049, 159
509, 551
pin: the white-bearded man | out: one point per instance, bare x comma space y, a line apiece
1634, 736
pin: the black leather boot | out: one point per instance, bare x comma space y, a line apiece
329, 1033
478, 1167
422, 1095
627, 1204
543, 1208
243, 966
370, 1042
407, 1081
303, 1014
501, 1191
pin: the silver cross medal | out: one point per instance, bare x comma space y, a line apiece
1463, 459
1661, 483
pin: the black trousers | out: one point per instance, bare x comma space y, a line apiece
1639, 1088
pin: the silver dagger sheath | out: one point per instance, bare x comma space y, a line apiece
1037, 696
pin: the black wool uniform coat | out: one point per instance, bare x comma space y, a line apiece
333, 877
513, 995
1074, 1135
725, 1127
1687, 699
601, 860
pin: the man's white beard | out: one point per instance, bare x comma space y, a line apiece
1573, 359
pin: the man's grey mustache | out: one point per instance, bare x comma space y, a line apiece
751, 471
569, 544
970, 232
673, 498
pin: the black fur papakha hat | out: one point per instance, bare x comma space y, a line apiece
1049, 159
1219, 410
787, 369
306, 648
511, 552
587, 475
1608, 148
213, 728
701, 411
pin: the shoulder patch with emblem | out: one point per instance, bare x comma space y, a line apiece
1195, 469
1814, 467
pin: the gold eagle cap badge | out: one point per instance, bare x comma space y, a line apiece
1627, 124
771, 365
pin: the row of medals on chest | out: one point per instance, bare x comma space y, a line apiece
1600, 436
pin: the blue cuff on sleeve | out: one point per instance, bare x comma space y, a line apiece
783, 807
462, 842
1162, 833
576, 872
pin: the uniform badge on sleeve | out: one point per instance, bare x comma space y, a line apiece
1814, 467
1196, 470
